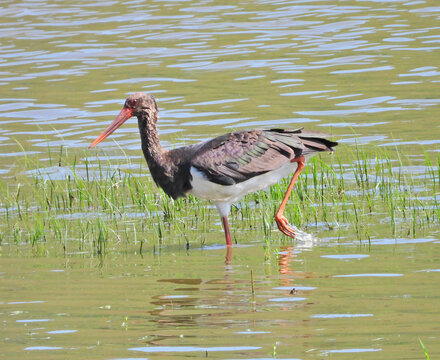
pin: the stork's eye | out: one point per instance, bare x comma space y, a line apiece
131, 103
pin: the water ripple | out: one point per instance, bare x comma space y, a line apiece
178, 349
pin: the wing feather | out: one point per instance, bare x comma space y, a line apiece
239, 156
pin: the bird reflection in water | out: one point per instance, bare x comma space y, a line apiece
286, 257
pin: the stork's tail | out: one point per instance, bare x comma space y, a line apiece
314, 141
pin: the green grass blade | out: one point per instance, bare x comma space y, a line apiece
424, 349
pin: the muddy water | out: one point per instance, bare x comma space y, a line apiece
366, 71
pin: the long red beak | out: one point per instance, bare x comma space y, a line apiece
124, 115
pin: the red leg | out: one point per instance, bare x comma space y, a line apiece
227, 232
228, 256
283, 224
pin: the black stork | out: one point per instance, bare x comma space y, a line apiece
226, 168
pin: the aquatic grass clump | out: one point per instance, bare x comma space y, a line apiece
87, 204
369, 191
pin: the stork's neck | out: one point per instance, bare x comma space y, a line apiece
167, 171
153, 151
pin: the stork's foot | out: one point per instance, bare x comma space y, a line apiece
284, 226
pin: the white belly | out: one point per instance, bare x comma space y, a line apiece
222, 194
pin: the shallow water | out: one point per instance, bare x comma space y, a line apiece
365, 71
308, 302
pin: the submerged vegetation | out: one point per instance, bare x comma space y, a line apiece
85, 205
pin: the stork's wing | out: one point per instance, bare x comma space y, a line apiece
239, 156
